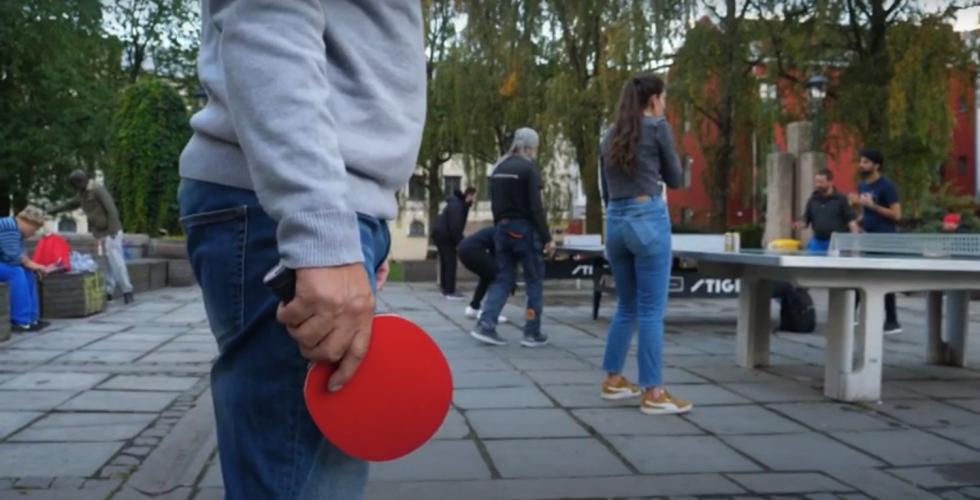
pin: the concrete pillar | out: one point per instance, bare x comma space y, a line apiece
808, 165
779, 196
799, 138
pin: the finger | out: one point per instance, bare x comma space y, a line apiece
352, 360
382, 275
334, 347
295, 312
312, 332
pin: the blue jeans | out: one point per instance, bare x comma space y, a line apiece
269, 445
638, 249
816, 245
23, 293
516, 241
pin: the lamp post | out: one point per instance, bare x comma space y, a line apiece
816, 87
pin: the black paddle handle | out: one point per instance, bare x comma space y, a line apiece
281, 280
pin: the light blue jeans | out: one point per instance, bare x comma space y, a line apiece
638, 250
269, 445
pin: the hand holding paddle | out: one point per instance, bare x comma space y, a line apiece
329, 315
395, 402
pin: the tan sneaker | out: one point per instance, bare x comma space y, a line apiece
620, 389
666, 404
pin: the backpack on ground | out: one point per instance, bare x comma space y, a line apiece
796, 311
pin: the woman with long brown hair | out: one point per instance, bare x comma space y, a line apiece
637, 159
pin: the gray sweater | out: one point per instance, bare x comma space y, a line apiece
656, 160
317, 106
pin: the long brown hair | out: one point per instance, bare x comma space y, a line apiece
621, 150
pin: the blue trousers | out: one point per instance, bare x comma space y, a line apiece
516, 241
639, 253
816, 245
269, 446
23, 293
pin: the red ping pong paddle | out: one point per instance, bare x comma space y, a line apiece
397, 399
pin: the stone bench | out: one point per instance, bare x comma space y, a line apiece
147, 274
4, 312
71, 295
179, 271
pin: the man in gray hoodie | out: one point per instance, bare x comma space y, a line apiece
314, 119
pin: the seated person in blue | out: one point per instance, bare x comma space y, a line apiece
17, 270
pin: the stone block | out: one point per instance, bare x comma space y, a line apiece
505, 397
771, 483
167, 249
437, 460
55, 459
681, 454
744, 419
796, 452
85, 427
524, 423
179, 273
535, 458
908, 447
799, 138
780, 170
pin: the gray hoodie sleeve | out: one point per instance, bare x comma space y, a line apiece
274, 63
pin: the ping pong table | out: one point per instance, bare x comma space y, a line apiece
684, 281
853, 365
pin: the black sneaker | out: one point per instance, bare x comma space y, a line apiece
39, 325
18, 328
892, 328
487, 337
454, 296
128, 298
536, 341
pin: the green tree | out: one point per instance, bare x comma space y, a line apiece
159, 36
151, 130
890, 63
594, 46
58, 77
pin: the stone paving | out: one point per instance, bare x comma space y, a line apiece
117, 406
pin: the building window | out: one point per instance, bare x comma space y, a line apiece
962, 165
451, 184
963, 104
687, 164
416, 229
416, 188
687, 118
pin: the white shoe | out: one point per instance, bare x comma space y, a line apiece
475, 314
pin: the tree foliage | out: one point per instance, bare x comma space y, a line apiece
151, 129
890, 63
58, 77
160, 36
715, 88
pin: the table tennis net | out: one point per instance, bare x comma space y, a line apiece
921, 244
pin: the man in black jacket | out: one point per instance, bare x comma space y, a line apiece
447, 233
521, 236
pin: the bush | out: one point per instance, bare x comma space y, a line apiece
939, 203
751, 235
151, 129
